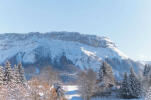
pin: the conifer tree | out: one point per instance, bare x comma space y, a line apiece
16, 74
101, 73
106, 75
21, 73
1, 75
135, 84
125, 88
147, 69
148, 94
8, 74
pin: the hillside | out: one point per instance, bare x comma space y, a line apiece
67, 51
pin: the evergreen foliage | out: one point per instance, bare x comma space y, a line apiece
131, 86
1, 75
8, 74
21, 73
12, 75
16, 74
106, 75
135, 84
146, 69
148, 94
125, 89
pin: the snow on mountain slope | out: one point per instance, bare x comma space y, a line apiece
84, 51
145, 62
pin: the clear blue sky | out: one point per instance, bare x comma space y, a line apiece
126, 22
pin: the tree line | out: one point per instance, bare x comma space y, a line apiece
44, 86
104, 84
9, 74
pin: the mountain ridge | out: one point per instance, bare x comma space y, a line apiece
63, 49
67, 36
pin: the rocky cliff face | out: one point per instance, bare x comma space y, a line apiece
64, 51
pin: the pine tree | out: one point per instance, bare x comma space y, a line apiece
135, 84
1, 75
8, 74
16, 74
101, 72
21, 73
106, 75
147, 69
148, 94
125, 89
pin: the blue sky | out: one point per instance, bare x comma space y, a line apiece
126, 22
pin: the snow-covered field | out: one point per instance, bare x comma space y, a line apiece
72, 94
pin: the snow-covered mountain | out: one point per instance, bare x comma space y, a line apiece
63, 50
145, 62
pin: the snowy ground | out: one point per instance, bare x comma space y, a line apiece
72, 94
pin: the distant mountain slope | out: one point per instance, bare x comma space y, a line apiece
145, 62
64, 51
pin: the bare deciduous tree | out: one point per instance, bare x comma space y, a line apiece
87, 84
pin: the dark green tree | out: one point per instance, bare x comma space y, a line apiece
125, 90
135, 84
